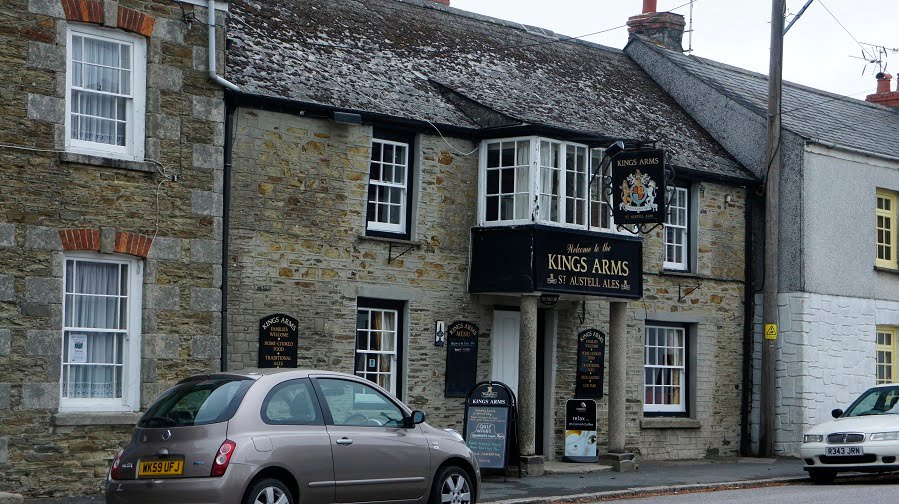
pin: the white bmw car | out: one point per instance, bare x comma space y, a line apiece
864, 438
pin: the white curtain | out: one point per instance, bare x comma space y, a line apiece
101, 82
93, 301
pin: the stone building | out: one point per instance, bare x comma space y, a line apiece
839, 289
111, 136
379, 145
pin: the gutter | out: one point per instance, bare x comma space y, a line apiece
212, 52
853, 150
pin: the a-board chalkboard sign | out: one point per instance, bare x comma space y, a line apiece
461, 358
489, 414
580, 430
591, 357
278, 339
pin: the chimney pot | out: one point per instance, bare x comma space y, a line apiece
884, 95
649, 6
883, 82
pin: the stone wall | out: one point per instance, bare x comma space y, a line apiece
298, 247
53, 203
825, 359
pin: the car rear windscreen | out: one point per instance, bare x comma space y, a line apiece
197, 402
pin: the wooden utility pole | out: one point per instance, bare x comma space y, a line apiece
772, 214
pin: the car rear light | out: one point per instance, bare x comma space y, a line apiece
116, 466
222, 458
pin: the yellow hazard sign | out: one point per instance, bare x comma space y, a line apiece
770, 331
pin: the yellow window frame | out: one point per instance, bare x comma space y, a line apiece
885, 343
889, 218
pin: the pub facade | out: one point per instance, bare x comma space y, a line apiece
384, 189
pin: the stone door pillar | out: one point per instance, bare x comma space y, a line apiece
617, 457
527, 386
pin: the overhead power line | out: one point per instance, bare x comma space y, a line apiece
564, 38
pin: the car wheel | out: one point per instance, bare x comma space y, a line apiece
822, 476
452, 486
269, 491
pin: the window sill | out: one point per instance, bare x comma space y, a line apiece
680, 273
395, 241
87, 159
95, 418
894, 271
669, 423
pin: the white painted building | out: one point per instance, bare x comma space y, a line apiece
839, 276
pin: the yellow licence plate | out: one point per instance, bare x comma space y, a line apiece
153, 468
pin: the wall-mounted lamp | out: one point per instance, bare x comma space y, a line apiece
549, 299
728, 198
439, 333
614, 149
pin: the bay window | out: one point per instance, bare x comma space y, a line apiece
532, 179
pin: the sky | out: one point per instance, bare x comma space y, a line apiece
817, 51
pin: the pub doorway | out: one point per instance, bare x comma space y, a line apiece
504, 360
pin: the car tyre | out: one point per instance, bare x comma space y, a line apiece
452, 485
822, 476
269, 491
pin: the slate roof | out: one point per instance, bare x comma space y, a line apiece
399, 57
813, 114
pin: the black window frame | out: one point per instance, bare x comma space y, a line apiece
320, 419
408, 138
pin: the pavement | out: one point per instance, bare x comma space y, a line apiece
590, 482
652, 478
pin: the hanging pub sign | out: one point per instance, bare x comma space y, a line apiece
591, 357
278, 341
580, 430
461, 358
638, 187
488, 423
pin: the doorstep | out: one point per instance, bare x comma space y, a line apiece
556, 467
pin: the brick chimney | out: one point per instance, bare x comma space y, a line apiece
661, 28
444, 2
884, 96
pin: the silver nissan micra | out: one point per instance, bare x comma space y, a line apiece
289, 437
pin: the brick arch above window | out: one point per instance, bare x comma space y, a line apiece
134, 244
93, 11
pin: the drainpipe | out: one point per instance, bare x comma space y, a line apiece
748, 327
212, 52
226, 225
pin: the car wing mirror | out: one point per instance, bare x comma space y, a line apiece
418, 417
837, 413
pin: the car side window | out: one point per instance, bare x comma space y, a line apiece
291, 403
356, 404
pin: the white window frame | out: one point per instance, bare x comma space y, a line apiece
482, 181
683, 265
135, 136
666, 408
596, 177
535, 188
393, 353
890, 215
131, 369
372, 225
